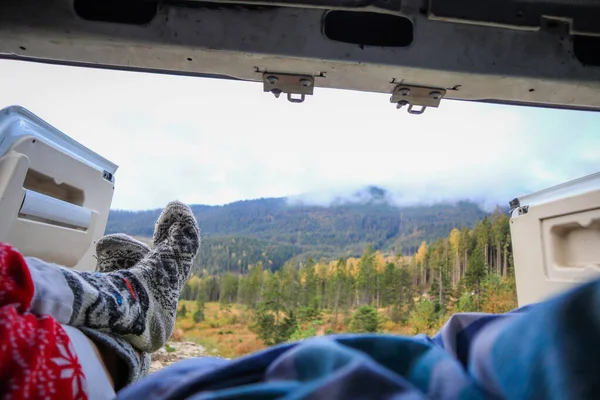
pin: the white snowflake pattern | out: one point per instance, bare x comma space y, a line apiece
30, 341
71, 369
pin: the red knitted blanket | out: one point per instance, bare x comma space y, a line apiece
37, 359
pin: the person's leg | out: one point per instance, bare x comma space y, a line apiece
125, 363
139, 303
113, 252
100, 367
38, 357
91, 354
119, 252
44, 359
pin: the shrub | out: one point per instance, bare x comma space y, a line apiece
273, 330
301, 334
308, 314
365, 319
177, 335
182, 312
198, 316
423, 318
233, 319
466, 303
169, 349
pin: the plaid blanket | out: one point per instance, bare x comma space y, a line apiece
548, 350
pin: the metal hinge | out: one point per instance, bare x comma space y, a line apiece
300, 85
411, 96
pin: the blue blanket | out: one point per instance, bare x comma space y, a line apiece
550, 350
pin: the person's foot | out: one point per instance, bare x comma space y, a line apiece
119, 251
115, 252
138, 303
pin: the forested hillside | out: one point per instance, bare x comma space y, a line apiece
465, 270
272, 231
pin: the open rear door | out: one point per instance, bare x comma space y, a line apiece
55, 194
555, 238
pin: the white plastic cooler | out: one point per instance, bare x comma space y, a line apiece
556, 238
55, 194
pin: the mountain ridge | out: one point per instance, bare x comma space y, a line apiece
273, 230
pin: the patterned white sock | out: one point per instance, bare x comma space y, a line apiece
138, 303
137, 362
115, 252
119, 251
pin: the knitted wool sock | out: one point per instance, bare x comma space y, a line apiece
137, 362
139, 303
119, 251
115, 252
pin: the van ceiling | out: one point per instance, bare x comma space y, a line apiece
530, 52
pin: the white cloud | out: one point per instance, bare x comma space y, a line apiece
214, 141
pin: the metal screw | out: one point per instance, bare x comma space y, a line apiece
404, 92
305, 82
436, 95
272, 80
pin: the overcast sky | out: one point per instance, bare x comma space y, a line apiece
214, 141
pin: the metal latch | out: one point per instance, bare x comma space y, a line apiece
416, 96
107, 176
515, 204
300, 85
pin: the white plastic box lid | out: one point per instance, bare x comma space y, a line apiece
16, 122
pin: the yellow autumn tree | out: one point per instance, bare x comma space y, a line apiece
352, 265
421, 253
321, 270
332, 268
454, 239
420, 258
379, 261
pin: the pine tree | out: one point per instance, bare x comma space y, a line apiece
273, 322
475, 273
182, 312
365, 280
229, 288
253, 285
391, 285
198, 315
271, 295
441, 289
365, 320
290, 286
309, 290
